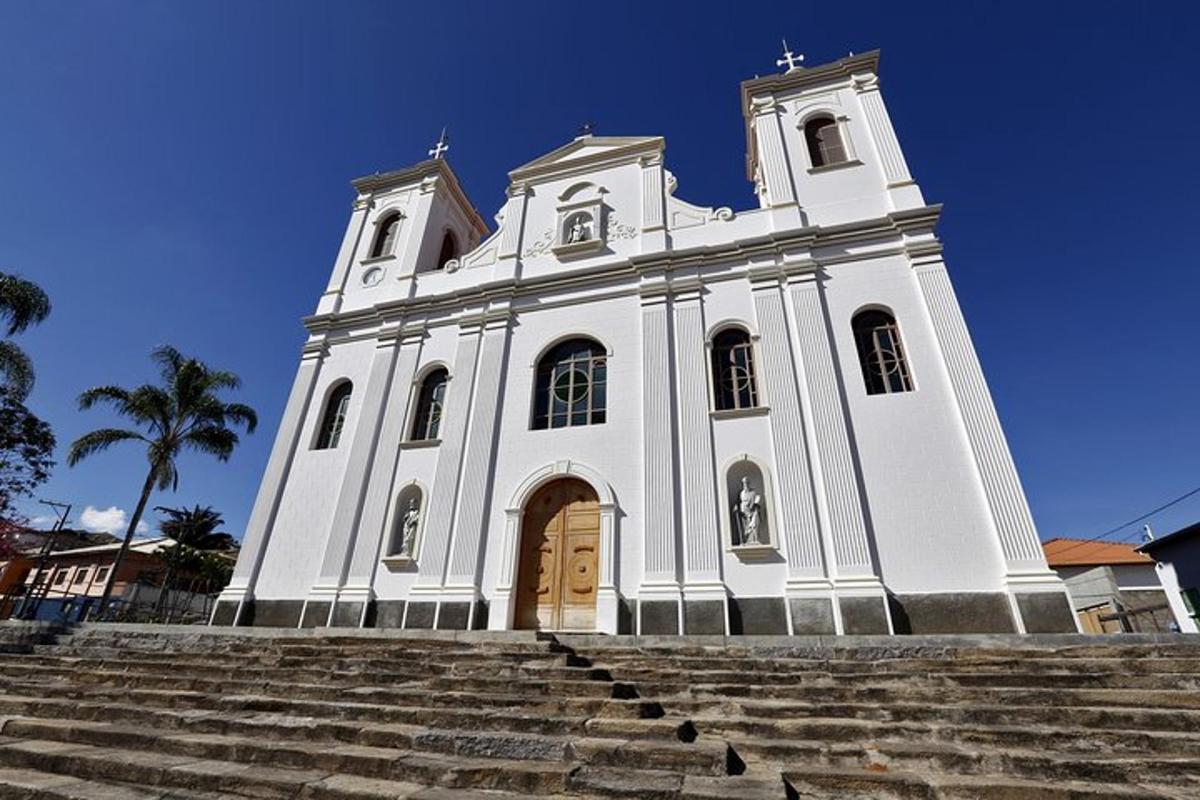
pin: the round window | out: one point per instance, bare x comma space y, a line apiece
571, 386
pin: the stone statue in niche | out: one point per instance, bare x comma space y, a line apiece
579, 230
408, 528
746, 513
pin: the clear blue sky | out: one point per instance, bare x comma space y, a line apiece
179, 173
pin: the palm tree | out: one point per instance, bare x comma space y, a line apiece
183, 413
22, 303
194, 531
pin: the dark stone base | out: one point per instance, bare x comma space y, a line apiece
388, 614
812, 616
480, 621
316, 615
225, 613
346, 615
420, 615
757, 616
453, 616
704, 617
660, 617
626, 614
1046, 612
277, 613
967, 612
863, 616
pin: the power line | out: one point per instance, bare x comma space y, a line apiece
1127, 537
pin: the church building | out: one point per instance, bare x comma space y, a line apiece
618, 412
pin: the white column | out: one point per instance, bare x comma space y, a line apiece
654, 228
331, 300
270, 491
901, 187
514, 221
698, 483
371, 533
825, 393
660, 579
358, 462
1010, 512
444, 493
798, 508
774, 165
479, 457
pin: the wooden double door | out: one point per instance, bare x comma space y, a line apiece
558, 569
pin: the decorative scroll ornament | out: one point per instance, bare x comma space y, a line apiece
617, 230
540, 246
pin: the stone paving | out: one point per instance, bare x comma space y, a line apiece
115, 712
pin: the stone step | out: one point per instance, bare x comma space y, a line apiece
949, 759
394, 731
1043, 679
106, 769
900, 693
1048, 714
375, 750
824, 783
29, 784
518, 690
750, 668
416, 776
255, 697
1061, 738
308, 672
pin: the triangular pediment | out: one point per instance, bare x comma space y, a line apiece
588, 150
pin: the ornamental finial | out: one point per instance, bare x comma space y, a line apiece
792, 60
441, 147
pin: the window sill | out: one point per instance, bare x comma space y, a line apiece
854, 162
577, 248
754, 552
378, 259
417, 444
734, 413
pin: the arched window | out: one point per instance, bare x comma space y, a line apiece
430, 401
334, 420
449, 249
385, 237
880, 352
572, 385
825, 145
733, 370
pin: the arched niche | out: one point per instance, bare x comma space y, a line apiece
407, 523
749, 522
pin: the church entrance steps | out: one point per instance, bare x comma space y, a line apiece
185, 713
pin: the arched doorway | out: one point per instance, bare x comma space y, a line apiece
557, 571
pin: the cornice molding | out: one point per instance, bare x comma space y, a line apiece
777, 254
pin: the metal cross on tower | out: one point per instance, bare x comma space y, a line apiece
792, 60
441, 146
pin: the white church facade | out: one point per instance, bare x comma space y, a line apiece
623, 413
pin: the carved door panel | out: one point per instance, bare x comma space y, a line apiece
557, 576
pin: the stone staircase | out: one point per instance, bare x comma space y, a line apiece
116, 712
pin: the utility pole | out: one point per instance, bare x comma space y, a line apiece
37, 592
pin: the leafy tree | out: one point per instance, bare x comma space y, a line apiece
194, 531
183, 413
22, 303
26, 444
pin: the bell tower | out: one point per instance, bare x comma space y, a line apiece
820, 147
403, 223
